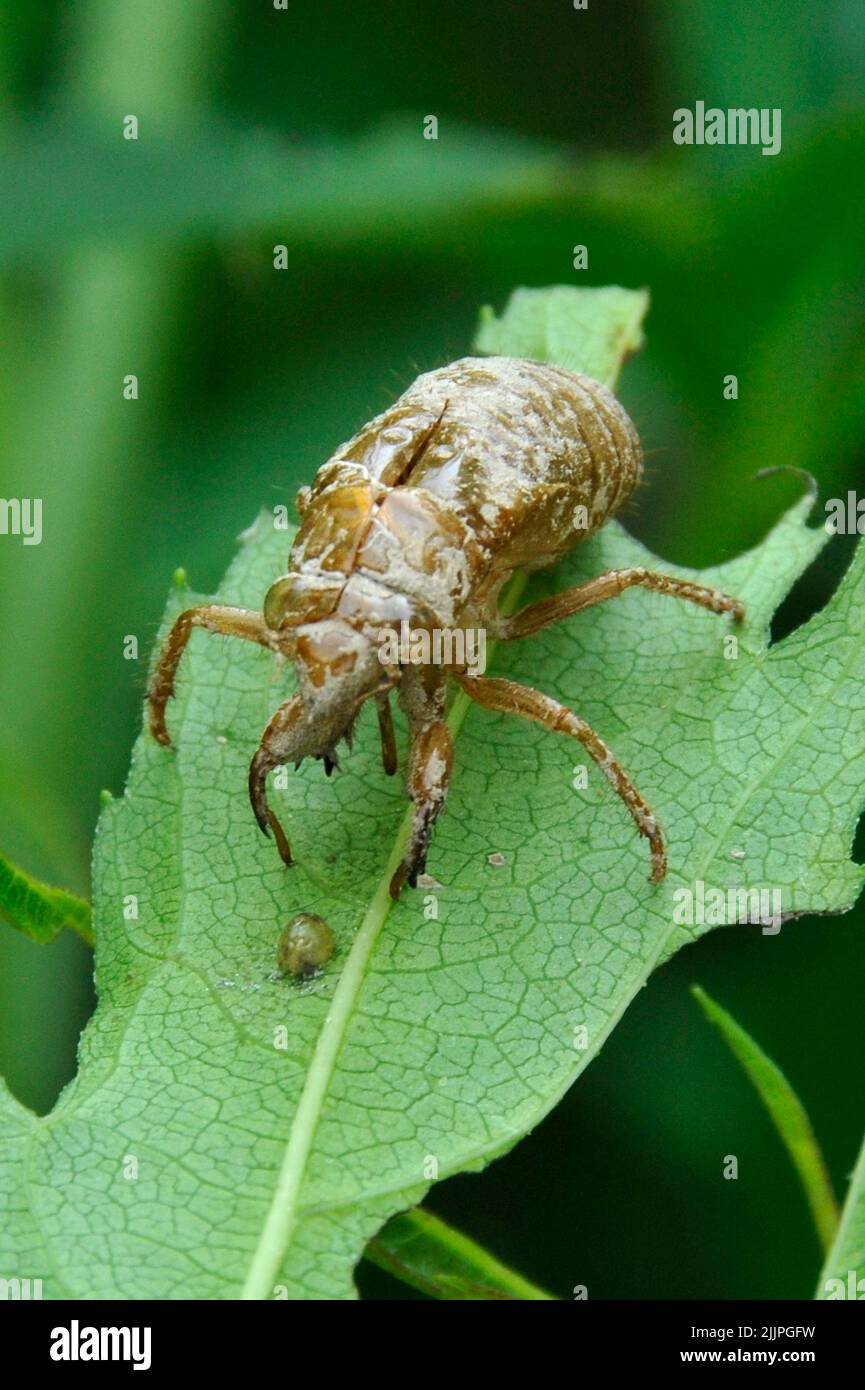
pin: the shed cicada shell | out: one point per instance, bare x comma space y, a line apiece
482, 468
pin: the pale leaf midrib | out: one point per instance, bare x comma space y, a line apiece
285, 1209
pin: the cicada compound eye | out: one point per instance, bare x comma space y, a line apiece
295, 598
278, 602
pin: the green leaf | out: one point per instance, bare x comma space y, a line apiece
202, 1151
37, 909
843, 1274
427, 1253
787, 1113
206, 180
591, 330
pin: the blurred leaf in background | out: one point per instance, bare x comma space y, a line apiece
155, 257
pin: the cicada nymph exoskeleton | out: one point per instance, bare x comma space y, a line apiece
484, 467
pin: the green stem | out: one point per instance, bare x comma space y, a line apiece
787, 1114
426, 1253
37, 909
846, 1257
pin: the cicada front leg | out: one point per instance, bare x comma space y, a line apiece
281, 742
431, 754
385, 727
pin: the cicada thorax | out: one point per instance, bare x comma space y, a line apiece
375, 555
482, 467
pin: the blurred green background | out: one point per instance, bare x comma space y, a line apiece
303, 128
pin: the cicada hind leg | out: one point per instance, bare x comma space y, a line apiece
609, 585
512, 698
508, 697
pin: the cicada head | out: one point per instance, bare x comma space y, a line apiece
337, 669
336, 666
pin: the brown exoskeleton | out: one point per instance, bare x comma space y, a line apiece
484, 467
